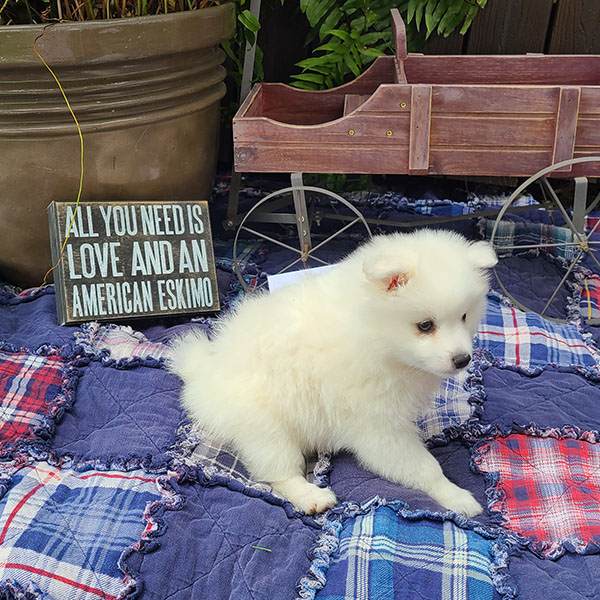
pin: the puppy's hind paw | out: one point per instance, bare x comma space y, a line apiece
306, 497
463, 502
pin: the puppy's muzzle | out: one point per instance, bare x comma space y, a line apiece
461, 360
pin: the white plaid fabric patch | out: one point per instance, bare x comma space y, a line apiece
122, 343
449, 408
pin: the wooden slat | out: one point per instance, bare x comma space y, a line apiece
587, 135
566, 125
252, 104
490, 131
356, 129
575, 28
420, 127
589, 103
494, 99
352, 102
503, 70
399, 31
322, 158
514, 27
393, 159
498, 162
373, 159
389, 99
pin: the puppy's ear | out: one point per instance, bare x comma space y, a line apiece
390, 272
482, 255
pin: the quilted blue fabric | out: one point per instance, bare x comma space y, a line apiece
195, 526
226, 544
121, 415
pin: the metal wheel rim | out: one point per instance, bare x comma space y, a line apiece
505, 208
286, 190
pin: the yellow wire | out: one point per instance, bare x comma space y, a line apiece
62, 91
3, 6
588, 299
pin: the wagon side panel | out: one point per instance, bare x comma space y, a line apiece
587, 136
372, 138
492, 130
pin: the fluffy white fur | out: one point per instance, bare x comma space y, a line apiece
337, 362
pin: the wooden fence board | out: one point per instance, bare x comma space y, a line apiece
575, 28
514, 27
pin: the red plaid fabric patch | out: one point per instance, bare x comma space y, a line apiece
29, 385
590, 297
548, 489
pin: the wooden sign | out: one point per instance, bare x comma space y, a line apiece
132, 259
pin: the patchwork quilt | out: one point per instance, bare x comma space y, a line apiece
107, 491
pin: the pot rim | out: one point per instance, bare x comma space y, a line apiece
108, 40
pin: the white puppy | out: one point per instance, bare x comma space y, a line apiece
343, 361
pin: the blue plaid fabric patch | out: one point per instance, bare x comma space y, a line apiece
522, 233
384, 556
450, 407
527, 341
65, 531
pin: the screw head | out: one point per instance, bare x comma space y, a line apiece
402, 104
389, 133
351, 132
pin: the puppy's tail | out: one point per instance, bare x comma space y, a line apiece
189, 354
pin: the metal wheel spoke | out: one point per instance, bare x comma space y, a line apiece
289, 266
323, 262
561, 208
334, 235
258, 287
270, 239
591, 233
594, 258
562, 281
593, 205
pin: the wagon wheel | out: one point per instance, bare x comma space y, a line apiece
287, 210
574, 243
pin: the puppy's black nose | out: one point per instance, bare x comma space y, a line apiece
461, 360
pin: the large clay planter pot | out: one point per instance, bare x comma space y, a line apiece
146, 93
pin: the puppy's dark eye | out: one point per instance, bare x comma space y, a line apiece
464, 317
426, 326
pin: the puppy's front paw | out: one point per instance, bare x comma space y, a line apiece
315, 501
462, 501
305, 496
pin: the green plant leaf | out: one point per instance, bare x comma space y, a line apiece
304, 85
332, 47
410, 12
316, 61
471, 14
430, 22
317, 9
311, 77
332, 21
339, 33
249, 21
352, 64
231, 54
249, 36
420, 10
371, 52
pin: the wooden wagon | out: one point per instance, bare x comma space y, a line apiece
437, 115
